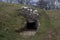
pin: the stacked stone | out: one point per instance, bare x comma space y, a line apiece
30, 14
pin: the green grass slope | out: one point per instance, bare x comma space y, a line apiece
48, 30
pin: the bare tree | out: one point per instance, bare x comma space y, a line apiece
42, 4
28, 2
23, 1
20, 1
0, 0
11, 1
7, 1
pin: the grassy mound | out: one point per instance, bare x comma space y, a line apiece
10, 20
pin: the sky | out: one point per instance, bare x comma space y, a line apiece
32, 0
35, 0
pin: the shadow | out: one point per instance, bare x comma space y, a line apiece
30, 26
2, 35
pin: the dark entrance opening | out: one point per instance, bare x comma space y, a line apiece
31, 25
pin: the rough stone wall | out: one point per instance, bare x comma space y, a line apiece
30, 15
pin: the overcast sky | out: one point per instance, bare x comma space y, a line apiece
35, 0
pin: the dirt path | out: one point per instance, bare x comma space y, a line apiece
27, 34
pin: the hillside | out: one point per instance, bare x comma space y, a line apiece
11, 20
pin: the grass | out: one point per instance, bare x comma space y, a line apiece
9, 18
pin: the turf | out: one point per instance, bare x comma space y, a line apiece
11, 20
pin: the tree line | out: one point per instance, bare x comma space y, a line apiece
41, 3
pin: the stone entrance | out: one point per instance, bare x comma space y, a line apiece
31, 25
